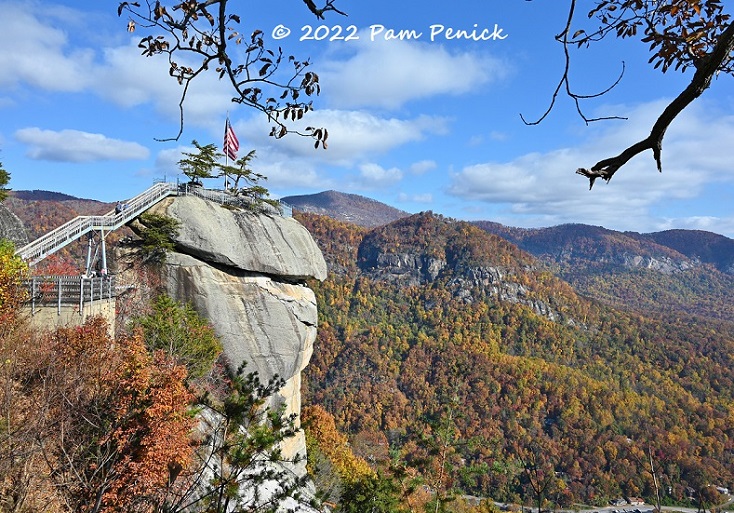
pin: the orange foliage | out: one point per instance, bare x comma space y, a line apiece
154, 425
57, 265
321, 426
124, 418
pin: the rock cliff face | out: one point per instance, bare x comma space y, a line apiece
12, 228
246, 273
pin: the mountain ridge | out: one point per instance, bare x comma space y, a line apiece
434, 321
691, 271
427, 320
351, 208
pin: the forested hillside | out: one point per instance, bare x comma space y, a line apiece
451, 357
459, 351
688, 271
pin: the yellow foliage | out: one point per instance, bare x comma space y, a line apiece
319, 424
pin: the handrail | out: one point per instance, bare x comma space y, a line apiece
67, 233
77, 227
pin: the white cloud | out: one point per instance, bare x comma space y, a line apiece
542, 188
353, 135
285, 174
373, 176
46, 58
387, 74
708, 223
77, 146
36, 53
128, 79
422, 167
415, 198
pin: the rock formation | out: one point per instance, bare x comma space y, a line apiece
246, 273
11, 227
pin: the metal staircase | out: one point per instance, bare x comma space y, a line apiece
79, 226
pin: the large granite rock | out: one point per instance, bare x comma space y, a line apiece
11, 227
269, 324
266, 244
245, 272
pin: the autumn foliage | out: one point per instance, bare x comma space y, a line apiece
595, 389
105, 422
95, 424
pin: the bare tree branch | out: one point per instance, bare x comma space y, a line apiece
566, 41
706, 68
207, 31
320, 12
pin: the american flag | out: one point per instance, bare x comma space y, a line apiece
231, 143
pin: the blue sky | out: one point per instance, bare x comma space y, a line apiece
428, 123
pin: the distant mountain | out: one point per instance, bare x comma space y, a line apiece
38, 195
430, 326
350, 208
705, 246
685, 270
42, 211
600, 247
689, 271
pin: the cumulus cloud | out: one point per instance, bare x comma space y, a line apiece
127, 79
37, 53
373, 176
415, 198
387, 74
422, 167
542, 188
77, 146
47, 59
353, 135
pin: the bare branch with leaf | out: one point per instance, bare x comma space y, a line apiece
197, 37
680, 33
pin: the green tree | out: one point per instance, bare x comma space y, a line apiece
181, 332
4, 179
240, 465
203, 163
240, 170
157, 234
251, 188
371, 493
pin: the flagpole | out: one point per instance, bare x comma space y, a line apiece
231, 146
226, 154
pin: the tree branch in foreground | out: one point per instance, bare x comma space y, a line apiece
706, 68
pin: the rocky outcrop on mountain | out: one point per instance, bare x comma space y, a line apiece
496, 282
405, 268
582, 245
246, 273
11, 227
698, 245
421, 249
686, 270
661, 264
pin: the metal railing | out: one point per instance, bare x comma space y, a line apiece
68, 290
225, 198
81, 225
